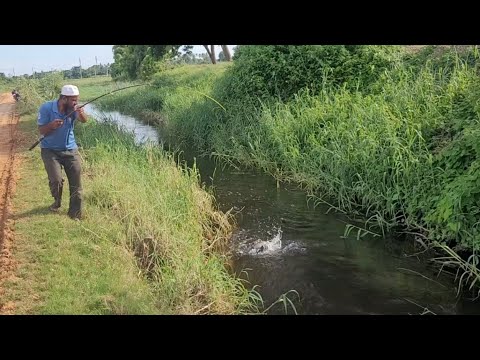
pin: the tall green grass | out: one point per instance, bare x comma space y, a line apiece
400, 155
167, 220
66, 267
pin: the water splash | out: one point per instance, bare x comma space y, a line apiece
269, 246
261, 247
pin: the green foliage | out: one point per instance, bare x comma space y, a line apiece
366, 63
139, 61
282, 70
392, 143
36, 91
148, 66
5, 83
443, 58
455, 211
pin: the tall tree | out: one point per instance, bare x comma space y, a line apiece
211, 53
132, 61
226, 53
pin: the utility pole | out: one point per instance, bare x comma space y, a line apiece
13, 72
96, 66
80, 62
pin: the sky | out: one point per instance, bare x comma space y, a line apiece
26, 59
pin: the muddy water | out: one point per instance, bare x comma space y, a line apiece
289, 249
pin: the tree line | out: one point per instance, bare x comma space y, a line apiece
142, 61
133, 62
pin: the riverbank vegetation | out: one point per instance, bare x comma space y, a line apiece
385, 135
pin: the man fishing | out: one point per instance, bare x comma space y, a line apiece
56, 122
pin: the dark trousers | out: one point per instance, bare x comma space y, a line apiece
71, 162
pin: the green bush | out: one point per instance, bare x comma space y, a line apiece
443, 58
280, 71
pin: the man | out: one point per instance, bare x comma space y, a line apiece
56, 120
15, 94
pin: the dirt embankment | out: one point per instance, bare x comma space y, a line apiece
8, 163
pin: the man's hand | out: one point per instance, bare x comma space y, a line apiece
81, 114
56, 124
50, 127
80, 110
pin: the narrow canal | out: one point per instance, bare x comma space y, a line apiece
288, 247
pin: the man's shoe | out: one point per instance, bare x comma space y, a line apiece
54, 207
76, 217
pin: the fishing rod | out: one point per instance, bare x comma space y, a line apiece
79, 107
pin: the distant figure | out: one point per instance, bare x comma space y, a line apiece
16, 94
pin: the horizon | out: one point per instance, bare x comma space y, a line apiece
19, 60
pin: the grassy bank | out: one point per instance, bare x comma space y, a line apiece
398, 155
152, 241
396, 151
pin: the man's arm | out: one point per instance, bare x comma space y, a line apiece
45, 126
51, 126
81, 116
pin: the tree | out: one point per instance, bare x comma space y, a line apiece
134, 61
211, 53
226, 53
187, 49
128, 59
162, 51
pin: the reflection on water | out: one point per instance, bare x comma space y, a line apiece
287, 244
142, 133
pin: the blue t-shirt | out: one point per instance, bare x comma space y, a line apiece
62, 138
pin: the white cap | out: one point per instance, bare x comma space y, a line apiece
70, 90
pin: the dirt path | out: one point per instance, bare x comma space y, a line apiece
8, 163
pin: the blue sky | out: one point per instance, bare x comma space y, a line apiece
21, 59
